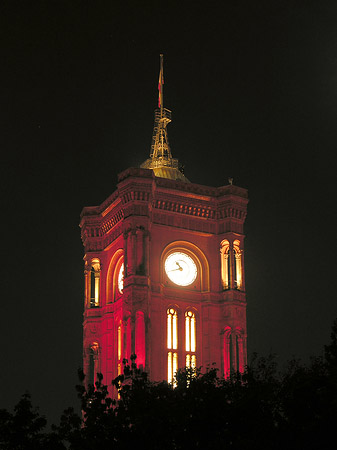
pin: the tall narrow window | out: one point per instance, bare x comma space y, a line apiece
225, 264
190, 339
240, 352
94, 283
119, 348
237, 264
172, 343
92, 288
234, 354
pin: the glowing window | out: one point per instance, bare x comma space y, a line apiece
225, 264
94, 283
172, 365
119, 349
172, 343
172, 329
190, 339
237, 264
121, 279
191, 361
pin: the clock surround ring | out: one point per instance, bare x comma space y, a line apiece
201, 282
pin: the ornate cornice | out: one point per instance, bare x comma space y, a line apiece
112, 221
184, 208
165, 201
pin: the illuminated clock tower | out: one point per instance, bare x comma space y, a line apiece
164, 270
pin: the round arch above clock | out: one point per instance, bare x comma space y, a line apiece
115, 276
184, 265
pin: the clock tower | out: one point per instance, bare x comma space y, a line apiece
164, 270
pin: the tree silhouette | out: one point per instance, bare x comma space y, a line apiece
262, 408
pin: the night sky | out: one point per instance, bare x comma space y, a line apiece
252, 86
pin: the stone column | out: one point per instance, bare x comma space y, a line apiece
86, 289
231, 268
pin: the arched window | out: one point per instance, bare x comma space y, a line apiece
233, 351
190, 339
118, 278
94, 283
231, 265
172, 343
115, 276
237, 265
225, 264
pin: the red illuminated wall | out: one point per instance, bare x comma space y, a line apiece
140, 224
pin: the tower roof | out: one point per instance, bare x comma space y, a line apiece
161, 160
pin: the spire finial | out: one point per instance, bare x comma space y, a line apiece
160, 149
161, 160
160, 85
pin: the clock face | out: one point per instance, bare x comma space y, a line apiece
120, 280
181, 269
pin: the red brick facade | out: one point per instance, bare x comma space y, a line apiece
143, 222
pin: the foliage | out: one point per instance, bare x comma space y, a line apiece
22, 430
261, 408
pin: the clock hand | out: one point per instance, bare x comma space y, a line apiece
179, 268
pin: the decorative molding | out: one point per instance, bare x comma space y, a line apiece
135, 195
184, 222
184, 208
112, 221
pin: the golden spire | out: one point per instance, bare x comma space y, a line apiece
161, 161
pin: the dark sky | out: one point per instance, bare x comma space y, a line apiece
253, 89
